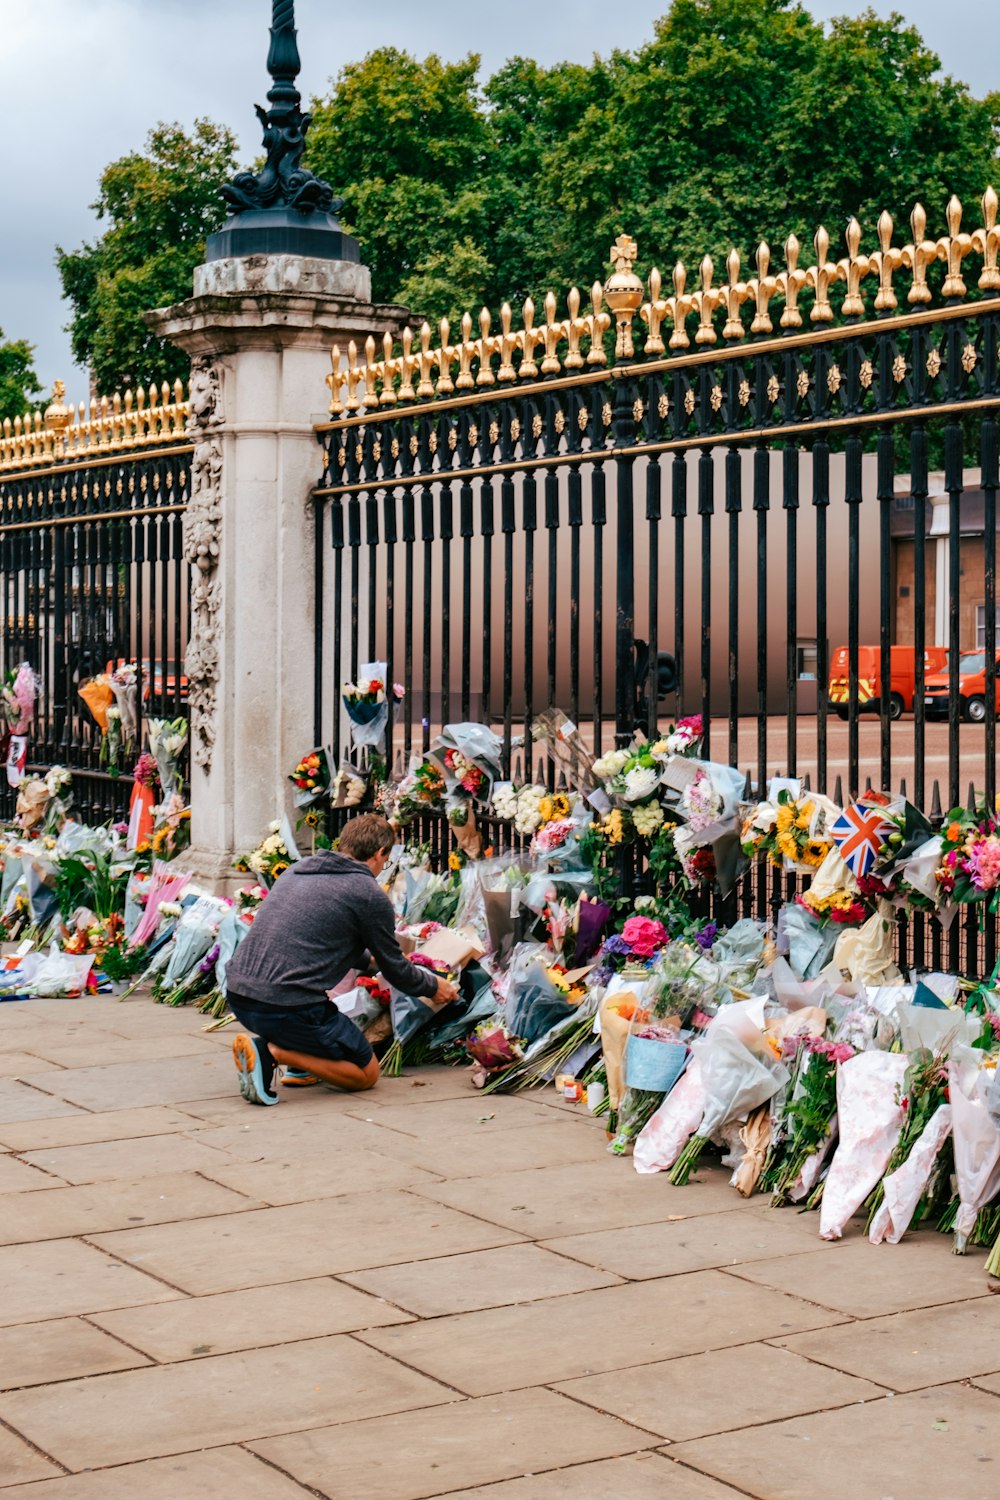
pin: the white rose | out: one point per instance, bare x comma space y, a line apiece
640, 782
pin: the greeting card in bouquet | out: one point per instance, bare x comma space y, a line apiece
453, 948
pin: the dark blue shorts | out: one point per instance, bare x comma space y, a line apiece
321, 1030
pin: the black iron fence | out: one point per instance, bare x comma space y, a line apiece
92, 573
782, 509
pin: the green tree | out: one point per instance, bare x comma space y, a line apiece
19, 385
159, 205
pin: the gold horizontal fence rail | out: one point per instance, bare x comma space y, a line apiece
409, 376
152, 417
92, 518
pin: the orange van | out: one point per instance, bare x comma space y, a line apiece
971, 689
902, 670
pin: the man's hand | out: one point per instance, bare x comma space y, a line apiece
445, 992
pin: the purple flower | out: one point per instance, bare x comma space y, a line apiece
210, 960
707, 936
616, 947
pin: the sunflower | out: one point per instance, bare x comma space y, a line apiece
455, 861
311, 819
279, 868
560, 806
545, 811
786, 817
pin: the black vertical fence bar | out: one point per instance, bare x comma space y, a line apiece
319, 541
790, 504
989, 478
486, 528
853, 495
427, 537
761, 505
653, 513
821, 506
354, 544
409, 540
734, 504
575, 522
552, 528
337, 673
706, 510
599, 516
887, 699
507, 527
466, 528
372, 652
624, 429
447, 533
529, 523
678, 510
919, 490
181, 593
953, 484
389, 534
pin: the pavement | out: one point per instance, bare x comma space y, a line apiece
422, 1292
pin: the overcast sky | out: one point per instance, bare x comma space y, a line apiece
82, 81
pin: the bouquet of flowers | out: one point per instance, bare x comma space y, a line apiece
19, 690
631, 775
124, 684
348, 788
422, 790
805, 1127
682, 738
791, 831
269, 860
869, 1120
469, 755
167, 741
172, 833
311, 778
635, 948
970, 858
367, 703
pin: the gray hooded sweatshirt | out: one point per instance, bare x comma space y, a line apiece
323, 918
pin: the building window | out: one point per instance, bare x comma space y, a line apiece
981, 627
807, 658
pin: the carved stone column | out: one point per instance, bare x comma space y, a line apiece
259, 331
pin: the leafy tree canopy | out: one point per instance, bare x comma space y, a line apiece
739, 120
159, 206
19, 387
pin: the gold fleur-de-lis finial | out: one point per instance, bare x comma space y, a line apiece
623, 253
918, 255
987, 242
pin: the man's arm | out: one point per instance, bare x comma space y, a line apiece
380, 936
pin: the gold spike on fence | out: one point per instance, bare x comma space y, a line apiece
150, 416
568, 339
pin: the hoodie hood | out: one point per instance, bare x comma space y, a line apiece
328, 862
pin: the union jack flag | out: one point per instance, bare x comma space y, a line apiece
859, 833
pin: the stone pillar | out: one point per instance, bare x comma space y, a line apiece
259, 331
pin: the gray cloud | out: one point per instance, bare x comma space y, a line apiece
85, 79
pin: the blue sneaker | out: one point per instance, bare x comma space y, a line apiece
255, 1066
298, 1078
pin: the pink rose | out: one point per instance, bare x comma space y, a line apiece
644, 936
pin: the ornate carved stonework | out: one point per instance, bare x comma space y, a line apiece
202, 544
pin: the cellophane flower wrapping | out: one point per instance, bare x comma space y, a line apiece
869, 1116
195, 935
807, 942
865, 953
534, 1005
661, 1142
976, 1138
165, 885
904, 1188
19, 699
738, 1071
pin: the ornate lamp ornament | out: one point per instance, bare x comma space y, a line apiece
283, 182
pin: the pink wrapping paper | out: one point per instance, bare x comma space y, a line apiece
661, 1142
903, 1188
869, 1118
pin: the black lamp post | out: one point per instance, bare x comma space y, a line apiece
283, 209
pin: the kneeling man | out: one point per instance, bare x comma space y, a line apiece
322, 920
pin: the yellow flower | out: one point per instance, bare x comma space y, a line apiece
278, 868
805, 816
786, 817
560, 806
545, 809
311, 820
454, 860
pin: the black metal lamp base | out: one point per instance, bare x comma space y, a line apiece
282, 231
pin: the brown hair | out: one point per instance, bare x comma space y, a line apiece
366, 836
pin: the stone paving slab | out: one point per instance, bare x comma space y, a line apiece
696, 1242
427, 1453
20, 1463
302, 1178
220, 1474
486, 1278
864, 1280
60, 1349
604, 1193
81, 1129
639, 1476
207, 1403
610, 1329
105, 1206
19, 1102
333, 1234
911, 1349
109, 1161
916, 1447
126, 1085
65, 1277
720, 1391
23, 1177
232, 1321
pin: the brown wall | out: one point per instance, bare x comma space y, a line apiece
972, 589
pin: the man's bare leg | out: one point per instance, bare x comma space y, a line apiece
343, 1075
